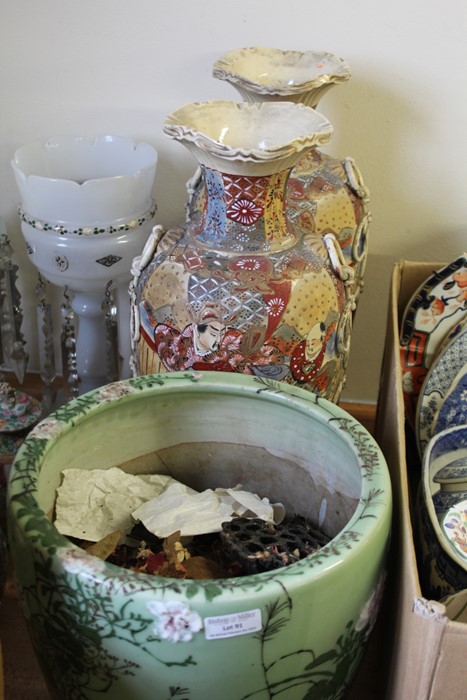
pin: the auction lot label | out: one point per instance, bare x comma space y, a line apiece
232, 625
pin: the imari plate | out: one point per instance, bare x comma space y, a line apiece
455, 528
435, 309
447, 364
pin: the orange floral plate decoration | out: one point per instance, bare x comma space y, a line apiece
435, 311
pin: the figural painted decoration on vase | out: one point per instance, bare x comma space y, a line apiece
323, 194
242, 287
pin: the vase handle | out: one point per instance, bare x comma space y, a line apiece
355, 180
192, 187
141, 261
336, 258
346, 274
137, 266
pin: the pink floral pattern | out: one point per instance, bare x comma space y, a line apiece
175, 622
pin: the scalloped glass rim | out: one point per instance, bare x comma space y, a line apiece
85, 180
257, 130
81, 161
280, 72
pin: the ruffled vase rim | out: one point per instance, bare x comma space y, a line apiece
272, 71
272, 136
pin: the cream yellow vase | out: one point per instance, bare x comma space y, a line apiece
240, 288
324, 194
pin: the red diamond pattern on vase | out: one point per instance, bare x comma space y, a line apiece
244, 197
193, 261
239, 186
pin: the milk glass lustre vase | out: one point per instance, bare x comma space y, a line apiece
324, 194
240, 288
86, 210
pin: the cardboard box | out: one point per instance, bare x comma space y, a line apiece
426, 652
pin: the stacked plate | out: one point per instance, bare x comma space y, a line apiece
433, 352
433, 344
442, 513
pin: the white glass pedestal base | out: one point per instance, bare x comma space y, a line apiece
90, 340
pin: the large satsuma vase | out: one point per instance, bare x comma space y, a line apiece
241, 287
324, 194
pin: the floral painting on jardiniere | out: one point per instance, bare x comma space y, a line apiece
298, 631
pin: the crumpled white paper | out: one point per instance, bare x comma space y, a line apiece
92, 504
248, 505
178, 508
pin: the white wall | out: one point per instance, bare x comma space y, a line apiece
120, 66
